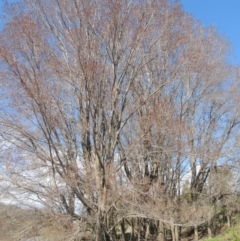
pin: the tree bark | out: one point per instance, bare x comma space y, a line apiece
229, 221
176, 233
196, 233
173, 230
209, 228
123, 230
102, 234
147, 230
161, 231
133, 230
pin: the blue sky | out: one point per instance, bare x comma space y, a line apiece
223, 14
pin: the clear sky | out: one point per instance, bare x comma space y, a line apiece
222, 14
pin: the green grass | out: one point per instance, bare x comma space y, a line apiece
230, 234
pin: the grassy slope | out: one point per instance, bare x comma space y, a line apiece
16, 223
230, 234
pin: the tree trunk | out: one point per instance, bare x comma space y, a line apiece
173, 230
133, 230
111, 222
176, 233
229, 221
123, 230
209, 228
196, 233
147, 230
139, 229
102, 235
161, 232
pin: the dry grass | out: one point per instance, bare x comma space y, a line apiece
16, 224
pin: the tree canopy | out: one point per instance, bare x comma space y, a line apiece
109, 107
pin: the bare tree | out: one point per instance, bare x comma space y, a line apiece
106, 105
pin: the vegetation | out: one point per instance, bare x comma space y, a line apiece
232, 234
120, 118
20, 224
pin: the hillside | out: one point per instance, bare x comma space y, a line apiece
229, 234
19, 224
25, 225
